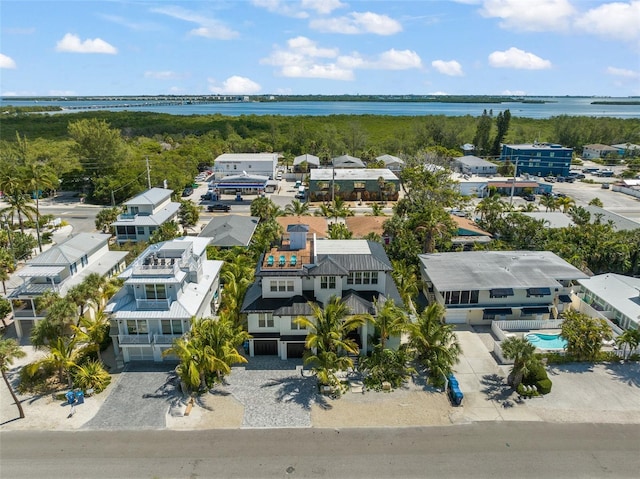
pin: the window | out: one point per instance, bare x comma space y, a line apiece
474, 297
137, 326
460, 297
265, 320
455, 297
281, 285
140, 230
464, 297
358, 185
273, 286
366, 277
172, 326
488, 316
501, 293
84, 260
295, 326
133, 210
327, 282
155, 291
374, 277
358, 277
73, 268
290, 285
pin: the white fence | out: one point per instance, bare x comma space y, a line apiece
499, 327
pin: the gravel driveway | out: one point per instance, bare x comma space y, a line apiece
140, 399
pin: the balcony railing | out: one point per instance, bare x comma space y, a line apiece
125, 339
153, 304
165, 338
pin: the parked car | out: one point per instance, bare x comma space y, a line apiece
188, 191
605, 186
550, 179
209, 196
590, 170
529, 197
218, 207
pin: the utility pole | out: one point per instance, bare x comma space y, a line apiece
148, 173
513, 185
113, 199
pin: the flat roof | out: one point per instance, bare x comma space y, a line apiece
484, 270
471, 160
229, 157
346, 174
622, 292
336, 247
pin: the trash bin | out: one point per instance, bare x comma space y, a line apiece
71, 397
79, 397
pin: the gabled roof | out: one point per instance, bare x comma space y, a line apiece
354, 255
471, 160
230, 230
600, 147
150, 197
71, 250
390, 160
356, 303
292, 306
347, 161
309, 159
327, 266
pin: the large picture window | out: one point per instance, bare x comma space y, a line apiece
137, 326
155, 291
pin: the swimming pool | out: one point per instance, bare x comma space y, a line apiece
546, 341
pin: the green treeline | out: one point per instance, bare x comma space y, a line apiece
297, 134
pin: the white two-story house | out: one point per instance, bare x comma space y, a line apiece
58, 269
476, 287
145, 213
166, 286
304, 269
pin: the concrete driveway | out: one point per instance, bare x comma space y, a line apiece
601, 393
140, 400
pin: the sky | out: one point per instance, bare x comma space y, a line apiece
300, 47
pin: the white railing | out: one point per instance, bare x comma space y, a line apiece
165, 338
498, 327
124, 339
146, 304
497, 350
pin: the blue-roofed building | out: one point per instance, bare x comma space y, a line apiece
303, 271
539, 159
145, 213
167, 285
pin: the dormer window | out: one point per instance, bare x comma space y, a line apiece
155, 291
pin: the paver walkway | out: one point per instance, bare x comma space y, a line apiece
140, 399
273, 393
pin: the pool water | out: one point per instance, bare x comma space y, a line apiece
546, 341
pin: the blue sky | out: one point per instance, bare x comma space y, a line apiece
245, 47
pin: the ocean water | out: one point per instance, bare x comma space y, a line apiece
573, 106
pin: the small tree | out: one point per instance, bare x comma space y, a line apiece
189, 214
166, 232
105, 218
524, 359
584, 335
629, 339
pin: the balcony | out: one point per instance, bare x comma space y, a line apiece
153, 304
165, 338
133, 339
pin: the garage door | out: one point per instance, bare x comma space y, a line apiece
295, 350
265, 348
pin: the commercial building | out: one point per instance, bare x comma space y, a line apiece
254, 164
540, 159
596, 151
353, 184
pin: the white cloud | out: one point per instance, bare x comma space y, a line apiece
614, 20
72, 43
518, 59
323, 7
7, 62
514, 93
163, 75
234, 85
528, 15
438, 93
207, 27
303, 58
299, 9
623, 72
451, 67
356, 23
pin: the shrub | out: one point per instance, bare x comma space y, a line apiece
544, 386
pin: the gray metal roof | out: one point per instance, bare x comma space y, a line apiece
484, 270
71, 250
150, 197
390, 160
471, 160
230, 230
620, 223
621, 292
346, 161
156, 219
552, 219
328, 266
354, 255
310, 159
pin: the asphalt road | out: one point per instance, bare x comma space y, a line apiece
496, 450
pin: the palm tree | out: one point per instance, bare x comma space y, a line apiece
376, 210
92, 331
328, 339
38, 177
435, 344
524, 359
62, 356
18, 204
296, 208
404, 274
565, 203
629, 338
92, 375
529, 207
10, 350
549, 202
389, 321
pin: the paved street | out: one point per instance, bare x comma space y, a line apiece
495, 450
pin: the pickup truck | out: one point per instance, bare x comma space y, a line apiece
218, 207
